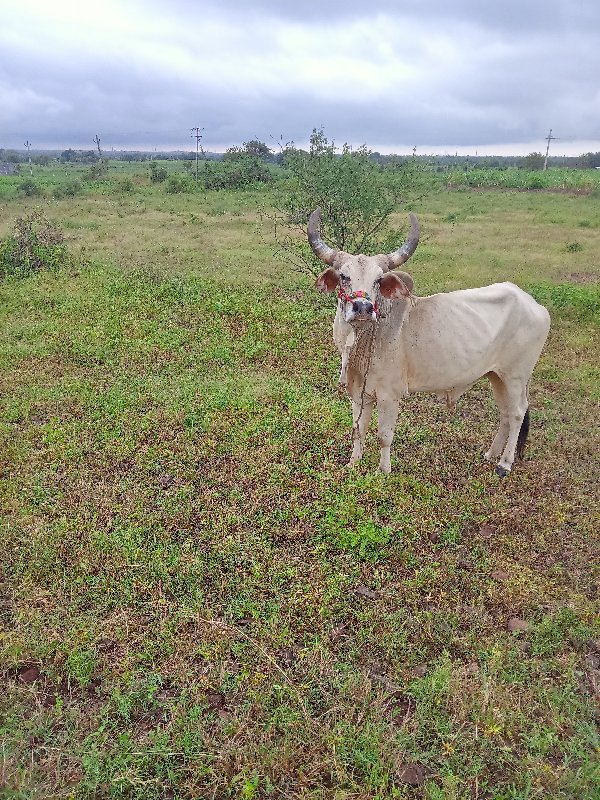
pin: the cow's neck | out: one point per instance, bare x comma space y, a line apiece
373, 342
359, 358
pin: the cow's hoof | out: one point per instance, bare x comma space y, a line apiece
502, 472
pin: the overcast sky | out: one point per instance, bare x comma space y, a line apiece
442, 75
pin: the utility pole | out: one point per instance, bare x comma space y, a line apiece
197, 135
27, 144
549, 138
97, 141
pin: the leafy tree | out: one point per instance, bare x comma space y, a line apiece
11, 156
234, 154
78, 156
533, 161
258, 149
252, 148
355, 193
588, 161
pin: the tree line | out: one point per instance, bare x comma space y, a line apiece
259, 151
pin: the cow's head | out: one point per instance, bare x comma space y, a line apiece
363, 281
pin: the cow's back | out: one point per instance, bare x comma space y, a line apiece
453, 339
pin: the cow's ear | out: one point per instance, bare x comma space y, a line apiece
393, 287
328, 280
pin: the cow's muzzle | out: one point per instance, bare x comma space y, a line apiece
362, 308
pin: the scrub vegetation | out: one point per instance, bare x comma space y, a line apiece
198, 599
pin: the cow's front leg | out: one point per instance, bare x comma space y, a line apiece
362, 408
387, 410
345, 350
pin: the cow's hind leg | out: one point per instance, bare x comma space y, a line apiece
501, 399
511, 397
361, 417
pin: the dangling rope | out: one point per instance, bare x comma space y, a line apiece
359, 359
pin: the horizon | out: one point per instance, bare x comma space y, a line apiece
516, 150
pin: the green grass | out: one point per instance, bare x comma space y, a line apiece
199, 600
554, 179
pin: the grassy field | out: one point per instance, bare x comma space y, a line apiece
200, 601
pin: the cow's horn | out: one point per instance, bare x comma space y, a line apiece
402, 254
319, 248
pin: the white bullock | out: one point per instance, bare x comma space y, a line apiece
393, 343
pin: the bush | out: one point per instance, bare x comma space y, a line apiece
355, 194
236, 173
573, 247
35, 244
98, 171
178, 183
125, 185
29, 188
157, 174
68, 189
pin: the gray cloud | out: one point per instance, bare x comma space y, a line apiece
466, 73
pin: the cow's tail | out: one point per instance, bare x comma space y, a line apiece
523, 433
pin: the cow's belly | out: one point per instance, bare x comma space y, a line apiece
454, 383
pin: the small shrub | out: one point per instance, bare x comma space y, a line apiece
573, 247
29, 188
98, 171
68, 189
177, 184
126, 185
35, 244
535, 181
157, 174
237, 173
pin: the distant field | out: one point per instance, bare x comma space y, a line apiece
200, 601
583, 180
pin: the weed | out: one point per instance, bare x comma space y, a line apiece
125, 185
35, 244
573, 247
